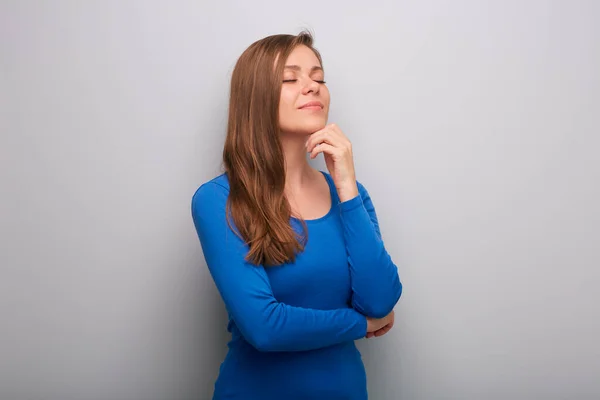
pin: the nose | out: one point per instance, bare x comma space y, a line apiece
310, 86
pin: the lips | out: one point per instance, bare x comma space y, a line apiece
312, 105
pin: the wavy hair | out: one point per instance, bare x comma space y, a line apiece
253, 157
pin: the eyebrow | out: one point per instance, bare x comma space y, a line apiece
297, 68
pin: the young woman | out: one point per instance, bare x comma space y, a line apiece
296, 253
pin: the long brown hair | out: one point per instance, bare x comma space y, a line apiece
253, 156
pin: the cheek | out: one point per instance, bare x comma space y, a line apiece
325, 96
287, 105
286, 100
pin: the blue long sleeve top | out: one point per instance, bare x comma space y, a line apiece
293, 326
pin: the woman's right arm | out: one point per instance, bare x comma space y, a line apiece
265, 323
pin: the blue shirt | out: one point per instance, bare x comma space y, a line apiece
293, 326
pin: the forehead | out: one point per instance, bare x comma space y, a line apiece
303, 56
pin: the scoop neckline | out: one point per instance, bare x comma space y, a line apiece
331, 208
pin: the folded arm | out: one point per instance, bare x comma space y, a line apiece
265, 323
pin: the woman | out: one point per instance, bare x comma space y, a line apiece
296, 253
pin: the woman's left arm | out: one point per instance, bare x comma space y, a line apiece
376, 285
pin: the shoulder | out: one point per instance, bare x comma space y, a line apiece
218, 183
211, 195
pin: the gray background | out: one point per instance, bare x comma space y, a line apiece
475, 127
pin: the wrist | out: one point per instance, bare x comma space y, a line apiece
347, 192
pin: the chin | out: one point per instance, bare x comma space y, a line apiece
307, 126
312, 127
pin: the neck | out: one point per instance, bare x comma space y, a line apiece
297, 169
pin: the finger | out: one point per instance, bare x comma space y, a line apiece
383, 331
332, 131
380, 332
386, 328
312, 137
323, 137
323, 148
391, 324
335, 128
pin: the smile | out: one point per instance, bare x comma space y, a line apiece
312, 105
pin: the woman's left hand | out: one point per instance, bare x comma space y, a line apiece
337, 150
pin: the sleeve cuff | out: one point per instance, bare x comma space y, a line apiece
361, 328
351, 204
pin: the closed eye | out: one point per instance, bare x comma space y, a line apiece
295, 80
